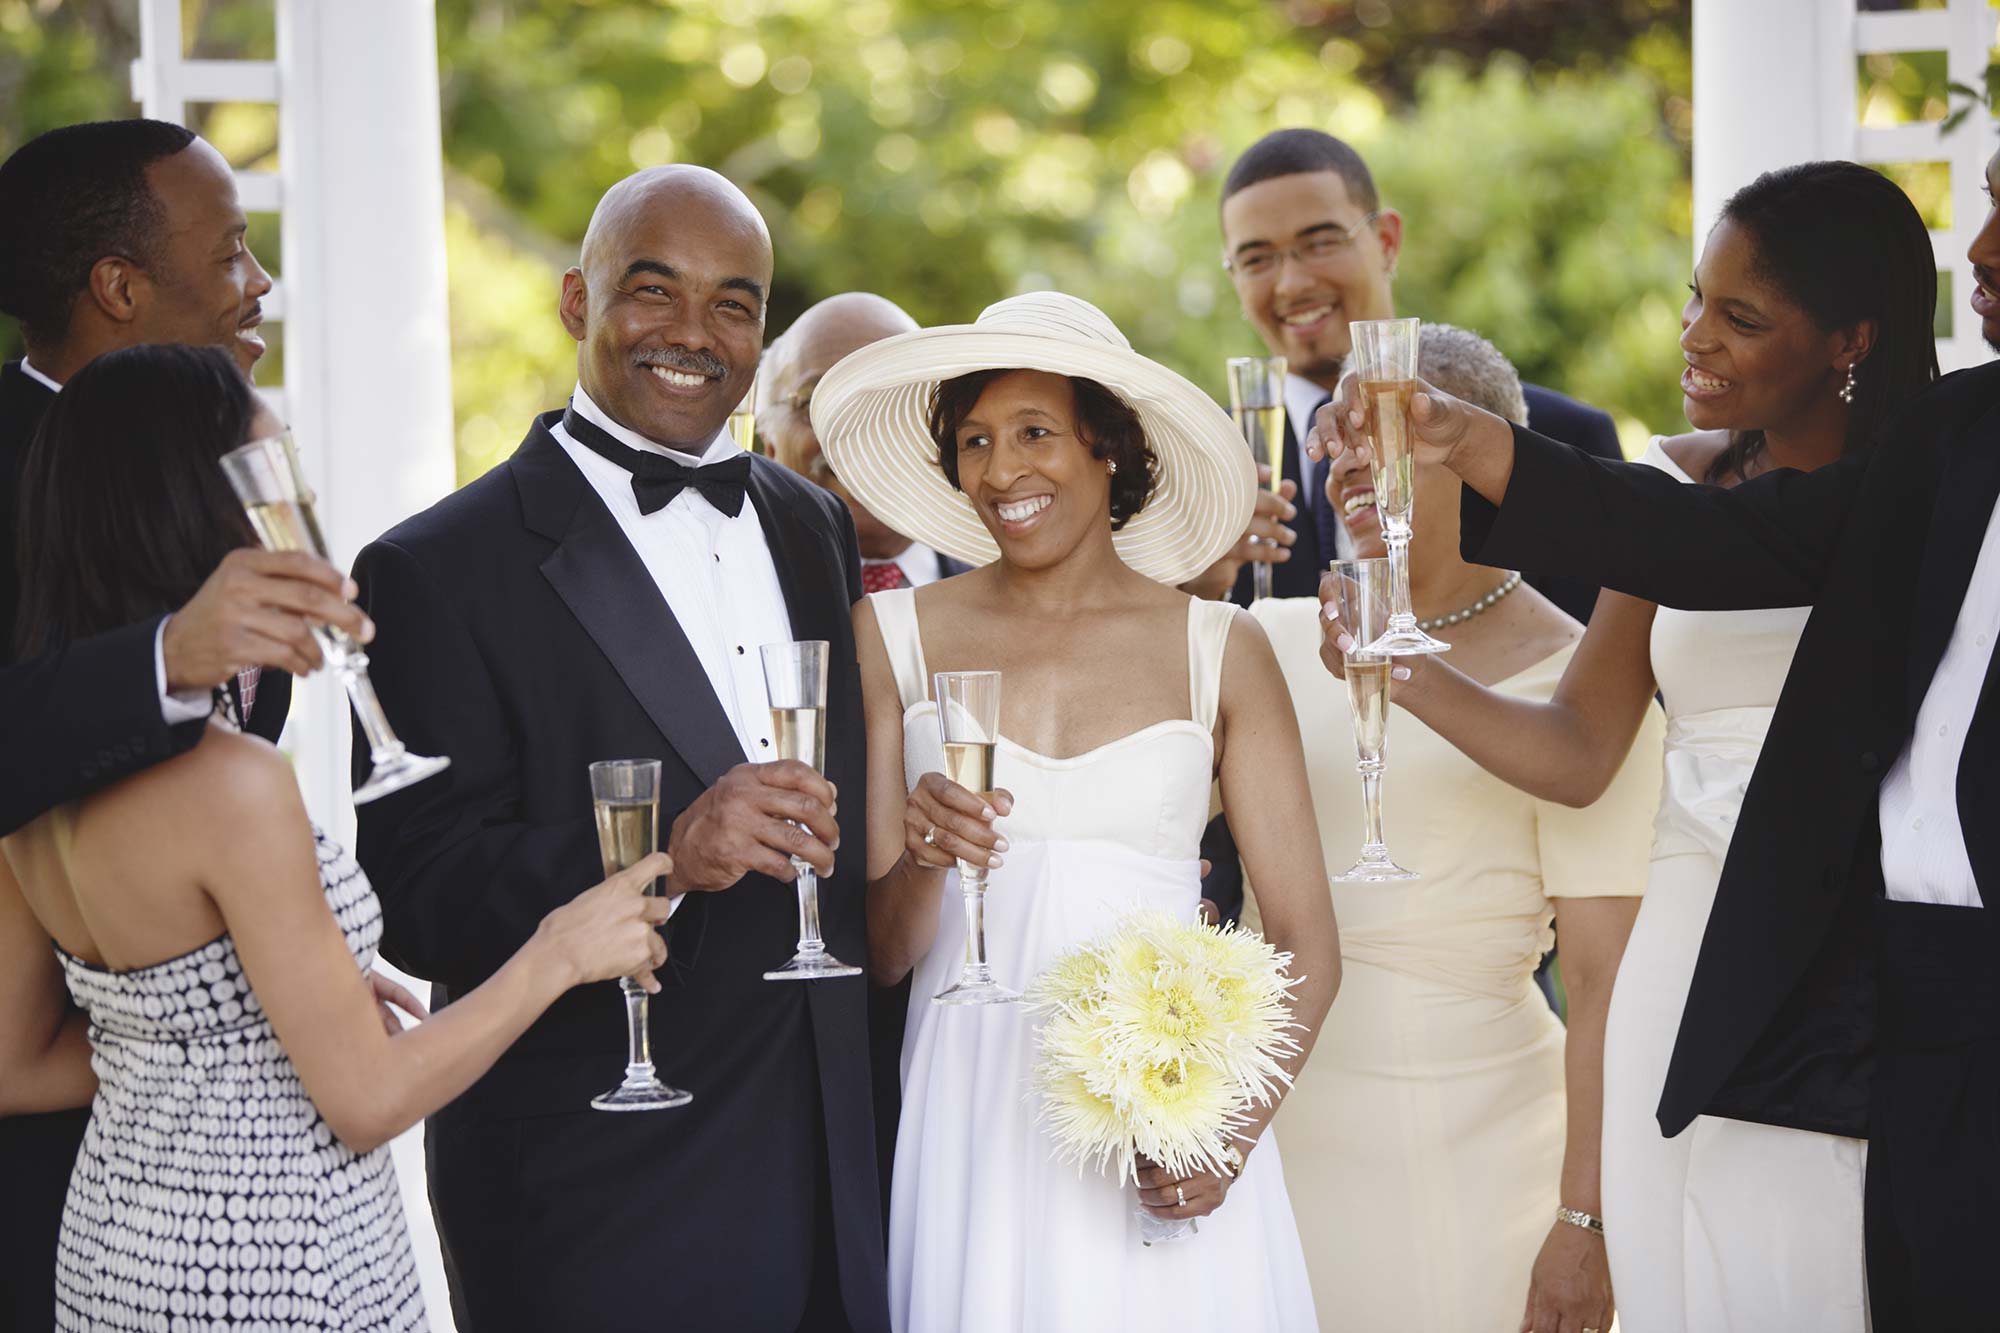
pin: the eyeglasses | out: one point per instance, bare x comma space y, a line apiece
1322, 247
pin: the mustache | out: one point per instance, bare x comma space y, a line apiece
683, 359
1984, 276
255, 315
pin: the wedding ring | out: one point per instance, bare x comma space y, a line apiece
1180, 1201
930, 836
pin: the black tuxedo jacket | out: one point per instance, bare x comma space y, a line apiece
522, 636
1780, 1022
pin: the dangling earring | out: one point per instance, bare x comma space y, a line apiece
1847, 389
1111, 466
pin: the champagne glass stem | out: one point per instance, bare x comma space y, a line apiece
1260, 580
638, 1038
808, 886
1397, 537
1372, 844
972, 886
382, 743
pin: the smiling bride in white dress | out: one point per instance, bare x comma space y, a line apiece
1086, 481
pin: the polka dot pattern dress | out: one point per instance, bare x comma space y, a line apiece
209, 1193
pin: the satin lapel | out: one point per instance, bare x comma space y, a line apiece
1965, 496
607, 587
806, 562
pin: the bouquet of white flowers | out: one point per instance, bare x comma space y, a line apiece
1157, 1039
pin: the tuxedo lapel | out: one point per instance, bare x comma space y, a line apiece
806, 562
608, 589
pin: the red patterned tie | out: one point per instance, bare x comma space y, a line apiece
881, 576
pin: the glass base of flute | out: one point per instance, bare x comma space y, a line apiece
642, 1089
1402, 637
975, 984
392, 766
625, 798
812, 962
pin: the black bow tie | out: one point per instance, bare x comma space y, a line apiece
657, 479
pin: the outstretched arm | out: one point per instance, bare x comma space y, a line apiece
1532, 503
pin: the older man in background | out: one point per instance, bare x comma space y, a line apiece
793, 365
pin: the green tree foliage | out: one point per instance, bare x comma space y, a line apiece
950, 152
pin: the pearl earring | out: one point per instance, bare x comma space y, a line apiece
1847, 389
1111, 466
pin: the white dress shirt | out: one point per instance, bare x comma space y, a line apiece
715, 571
918, 562
1923, 845
38, 377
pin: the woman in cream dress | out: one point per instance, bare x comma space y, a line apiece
1808, 327
1444, 1117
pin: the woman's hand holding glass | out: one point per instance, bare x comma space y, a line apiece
943, 823
1468, 440
612, 930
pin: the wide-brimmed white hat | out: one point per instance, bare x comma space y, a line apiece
871, 415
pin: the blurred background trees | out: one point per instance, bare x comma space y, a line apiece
950, 152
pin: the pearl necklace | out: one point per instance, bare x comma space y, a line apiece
1507, 585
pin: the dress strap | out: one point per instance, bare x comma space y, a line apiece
896, 616
1208, 638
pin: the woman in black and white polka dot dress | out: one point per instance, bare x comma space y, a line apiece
243, 1082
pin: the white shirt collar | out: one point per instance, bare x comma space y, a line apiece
918, 562
722, 446
1301, 397
38, 377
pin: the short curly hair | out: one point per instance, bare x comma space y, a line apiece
1104, 421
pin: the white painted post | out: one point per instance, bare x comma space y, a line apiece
1763, 72
367, 337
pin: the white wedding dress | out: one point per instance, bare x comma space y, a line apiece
1730, 1227
987, 1233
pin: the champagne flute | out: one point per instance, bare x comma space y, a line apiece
969, 728
743, 421
267, 478
1385, 360
1361, 594
795, 681
1257, 401
625, 794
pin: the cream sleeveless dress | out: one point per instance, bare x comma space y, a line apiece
986, 1231
1424, 1139
1729, 1226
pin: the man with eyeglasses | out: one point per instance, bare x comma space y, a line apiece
793, 366
1309, 247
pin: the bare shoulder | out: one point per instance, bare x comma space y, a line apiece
230, 780
1696, 450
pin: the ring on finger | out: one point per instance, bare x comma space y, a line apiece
930, 836
1180, 1197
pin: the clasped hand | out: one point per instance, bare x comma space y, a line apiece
1198, 1195
754, 820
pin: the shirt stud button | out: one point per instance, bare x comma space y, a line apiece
739, 650
761, 741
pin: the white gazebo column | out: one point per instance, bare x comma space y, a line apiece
1771, 80
367, 341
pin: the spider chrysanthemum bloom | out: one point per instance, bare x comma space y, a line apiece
1156, 1040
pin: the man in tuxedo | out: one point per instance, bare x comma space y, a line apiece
1310, 247
113, 234
793, 365
1849, 979
600, 595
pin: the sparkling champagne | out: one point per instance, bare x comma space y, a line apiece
743, 429
1368, 700
970, 764
627, 833
800, 733
1388, 407
292, 525
1264, 428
